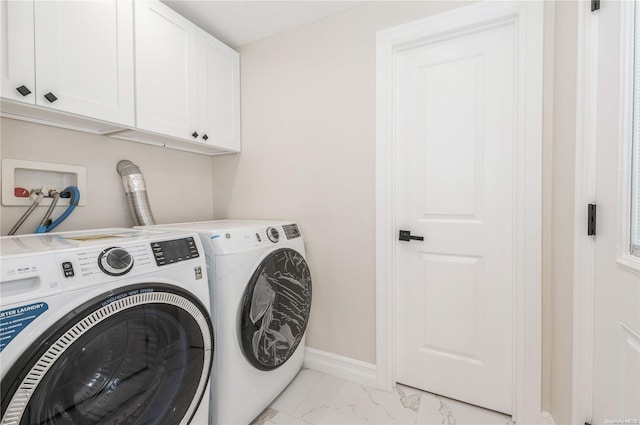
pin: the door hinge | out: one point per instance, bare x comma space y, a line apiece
595, 5
591, 220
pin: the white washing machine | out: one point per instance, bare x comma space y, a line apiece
261, 296
105, 327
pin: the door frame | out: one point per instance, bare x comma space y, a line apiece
585, 193
584, 278
527, 290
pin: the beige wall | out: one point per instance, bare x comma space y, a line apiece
308, 140
308, 122
179, 183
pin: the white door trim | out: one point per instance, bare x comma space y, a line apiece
528, 19
585, 193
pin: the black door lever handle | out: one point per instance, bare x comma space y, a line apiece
405, 235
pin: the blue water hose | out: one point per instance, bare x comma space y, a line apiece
69, 192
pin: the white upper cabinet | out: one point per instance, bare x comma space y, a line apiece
218, 92
134, 70
18, 61
166, 71
84, 58
187, 84
68, 64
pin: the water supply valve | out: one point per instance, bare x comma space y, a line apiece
20, 192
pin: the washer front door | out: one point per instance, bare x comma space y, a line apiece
275, 310
138, 355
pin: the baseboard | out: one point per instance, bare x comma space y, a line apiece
341, 367
547, 418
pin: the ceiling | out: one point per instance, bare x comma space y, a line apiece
239, 22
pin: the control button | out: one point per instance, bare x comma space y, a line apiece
115, 261
67, 269
258, 237
119, 259
273, 234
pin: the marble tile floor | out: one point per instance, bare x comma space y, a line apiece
319, 399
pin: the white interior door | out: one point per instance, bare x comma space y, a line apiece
616, 373
455, 164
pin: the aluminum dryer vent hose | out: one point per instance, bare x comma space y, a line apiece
136, 191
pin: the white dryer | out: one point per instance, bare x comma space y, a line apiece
107, 326
261, 296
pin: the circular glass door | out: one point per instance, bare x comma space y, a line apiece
276, 307
142, 355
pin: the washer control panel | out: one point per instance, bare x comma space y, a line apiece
128, 258
115, 261
45, 264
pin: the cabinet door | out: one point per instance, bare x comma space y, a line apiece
218, 92
166, 96
18, 63
85, 58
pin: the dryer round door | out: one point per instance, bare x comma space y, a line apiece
141, 354
275, 309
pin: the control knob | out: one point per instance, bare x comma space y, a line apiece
273, 234
115, 261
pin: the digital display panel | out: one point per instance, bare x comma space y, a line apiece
169, 252
291, 231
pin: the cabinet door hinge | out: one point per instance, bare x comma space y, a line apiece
595, 5
591, 220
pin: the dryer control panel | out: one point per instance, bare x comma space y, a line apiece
270, 236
